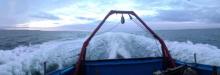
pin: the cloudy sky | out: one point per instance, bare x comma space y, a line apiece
77, 14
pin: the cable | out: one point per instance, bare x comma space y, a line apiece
110, 29
139, 25
158, 47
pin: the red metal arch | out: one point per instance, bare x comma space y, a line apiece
168, 61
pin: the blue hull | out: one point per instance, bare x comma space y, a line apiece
140, 66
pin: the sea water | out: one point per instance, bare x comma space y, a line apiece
24, 52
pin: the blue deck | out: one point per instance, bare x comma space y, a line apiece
140, 66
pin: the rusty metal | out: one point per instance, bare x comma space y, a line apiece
168, 61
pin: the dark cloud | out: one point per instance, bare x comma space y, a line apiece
210, 15
45, 16
176, 15
185, 10
85, 18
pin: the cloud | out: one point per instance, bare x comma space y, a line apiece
211, 15
56, 13
207, 15
207, 11
43, 15
85, 18
176, 15
16, 12
12, 13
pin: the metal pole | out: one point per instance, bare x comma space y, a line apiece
214, 70
195, 58
45, 68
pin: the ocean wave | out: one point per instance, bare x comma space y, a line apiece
29, 60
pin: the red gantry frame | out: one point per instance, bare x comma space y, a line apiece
167, 59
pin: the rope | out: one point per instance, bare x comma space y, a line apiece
110, 29
139, 25
158, 47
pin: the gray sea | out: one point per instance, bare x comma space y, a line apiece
10, 39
